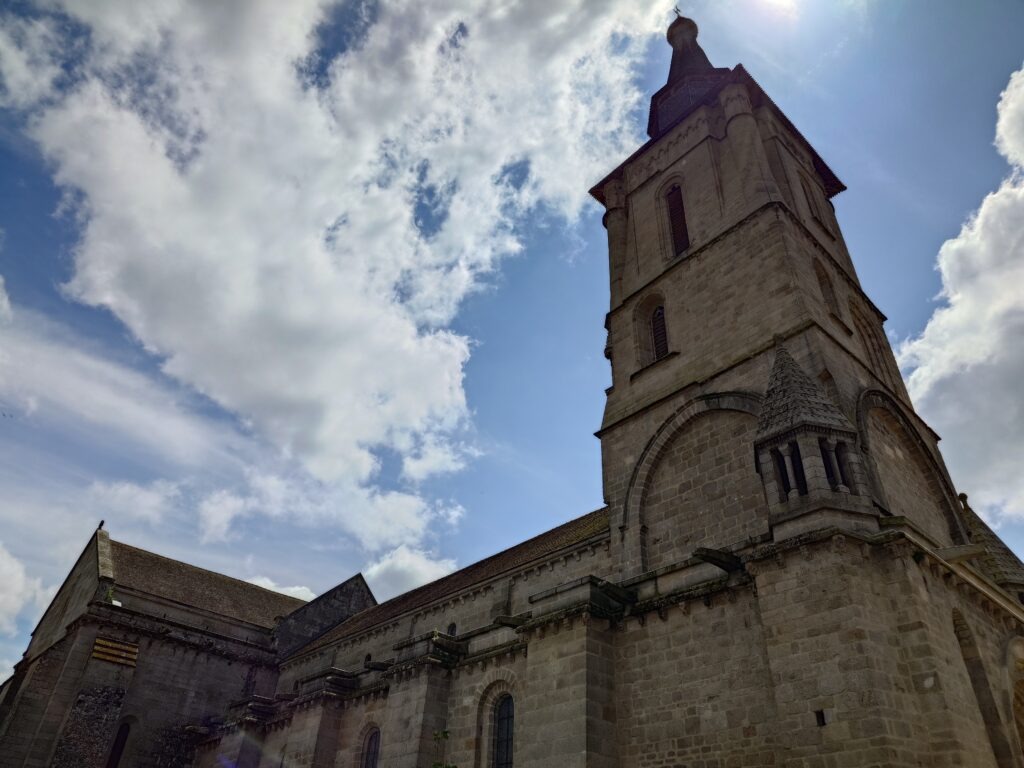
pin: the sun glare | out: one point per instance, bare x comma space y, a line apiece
783, 7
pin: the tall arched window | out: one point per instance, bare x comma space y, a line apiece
504, 722
659, 334
815, 205
677, 219
117, 748
872, 338
371, 749
828, 292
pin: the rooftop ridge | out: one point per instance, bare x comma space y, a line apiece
150, 553
575, 531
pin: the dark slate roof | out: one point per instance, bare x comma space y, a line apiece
793, 399
573, 532
196, 587
999, 562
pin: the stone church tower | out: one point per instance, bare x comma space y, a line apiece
757, 429
783, 573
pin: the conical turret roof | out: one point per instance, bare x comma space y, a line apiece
999, 562
795, 400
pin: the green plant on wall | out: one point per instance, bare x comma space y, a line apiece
440, 743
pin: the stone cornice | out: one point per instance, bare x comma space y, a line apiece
591, 545
213, 643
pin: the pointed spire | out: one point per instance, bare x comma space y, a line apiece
793, 400
691, 78
688, 58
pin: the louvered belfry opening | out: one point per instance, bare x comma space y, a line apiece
677, 220
659, 335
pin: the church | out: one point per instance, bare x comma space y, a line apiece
783, 573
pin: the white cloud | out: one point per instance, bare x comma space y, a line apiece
19, 593
56, 377
28, 68
405, 568
259, 234
303, 593
64, 390
434, 457
966, 367
290, 236
375, 518
6, 315
150, 503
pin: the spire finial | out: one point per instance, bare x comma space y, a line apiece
687, 56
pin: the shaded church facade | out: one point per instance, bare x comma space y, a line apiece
783, 573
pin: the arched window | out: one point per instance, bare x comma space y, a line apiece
504, 722
659, 334
371, 749
651, 328
815, 205
828, 292
117, 748
368, 658
452, 630
677, 220
872, 338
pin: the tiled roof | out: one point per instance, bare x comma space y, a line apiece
793, 400
1002, 566
173, 580
573, 532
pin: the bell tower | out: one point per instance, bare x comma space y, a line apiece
754, 393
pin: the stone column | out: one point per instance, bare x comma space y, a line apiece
568, 713
417, 707
747, 147
814, 467
616, 222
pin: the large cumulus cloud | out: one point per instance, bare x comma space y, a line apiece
285, 204
967, 366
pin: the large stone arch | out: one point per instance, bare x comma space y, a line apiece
630, 519
945, 496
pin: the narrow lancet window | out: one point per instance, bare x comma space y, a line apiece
117, 750
659, 334
781, 474
504, 721
677, 220
828, 292
798, 469
371, 749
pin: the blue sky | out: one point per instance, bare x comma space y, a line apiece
302, 289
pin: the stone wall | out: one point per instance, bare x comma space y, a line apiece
705, 491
